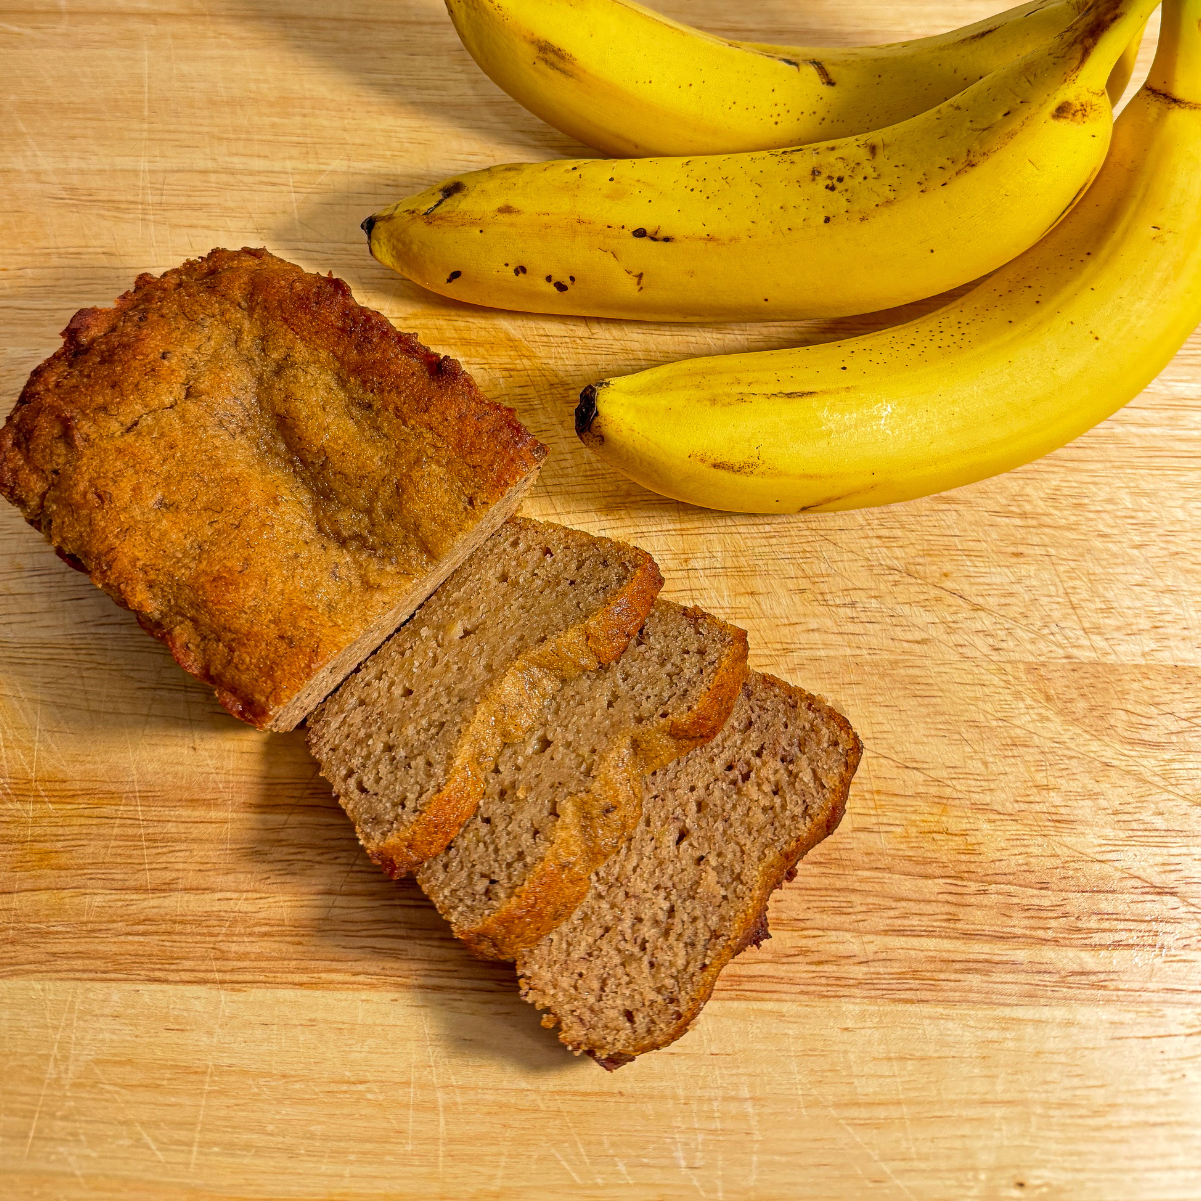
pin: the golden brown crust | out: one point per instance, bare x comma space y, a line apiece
591, 828
610, 631
401, 855
706, 720
510, 710
710, 715
257, 466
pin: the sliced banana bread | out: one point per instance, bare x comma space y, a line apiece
562, 799
407, 741
721, 828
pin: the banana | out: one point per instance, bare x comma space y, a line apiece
1028, 360
1123, 70
827, 230
630, 82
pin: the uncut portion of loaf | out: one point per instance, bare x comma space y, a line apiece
408, 740
268, 474
562, 799
720, 830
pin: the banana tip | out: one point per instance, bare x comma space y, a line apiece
585, 411
368, 224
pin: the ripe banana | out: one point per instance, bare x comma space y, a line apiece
842, 227
1041, 351
1123, 70
630, 82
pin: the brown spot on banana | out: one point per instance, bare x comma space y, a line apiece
983, 33
822, 74
1167, 97
445, 192
643, 232
555, 57
741, 467
826, 500
1080, 112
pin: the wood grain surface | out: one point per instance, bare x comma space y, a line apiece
985, 985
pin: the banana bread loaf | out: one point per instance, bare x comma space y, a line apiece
268, 474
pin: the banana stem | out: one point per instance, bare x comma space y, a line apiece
1176, 71
1119, 77
1116, 30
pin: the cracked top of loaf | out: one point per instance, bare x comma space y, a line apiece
268, 474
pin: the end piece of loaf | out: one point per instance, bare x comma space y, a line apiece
561, 800
268, 474
408, 740
720, 830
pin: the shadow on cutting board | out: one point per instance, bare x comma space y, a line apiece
347, 924
80, 661
414, 61
226, 858
413, 58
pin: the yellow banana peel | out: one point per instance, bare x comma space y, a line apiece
1028, 360
630, 82
825, 230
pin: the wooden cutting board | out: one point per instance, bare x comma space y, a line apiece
986, 984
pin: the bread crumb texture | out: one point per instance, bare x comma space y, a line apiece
409, 739
560, 800
720, 829
257, 466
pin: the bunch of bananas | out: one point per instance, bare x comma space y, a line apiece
952, 157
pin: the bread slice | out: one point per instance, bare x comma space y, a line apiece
720, 830
268, 474
406, 742
561, 800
